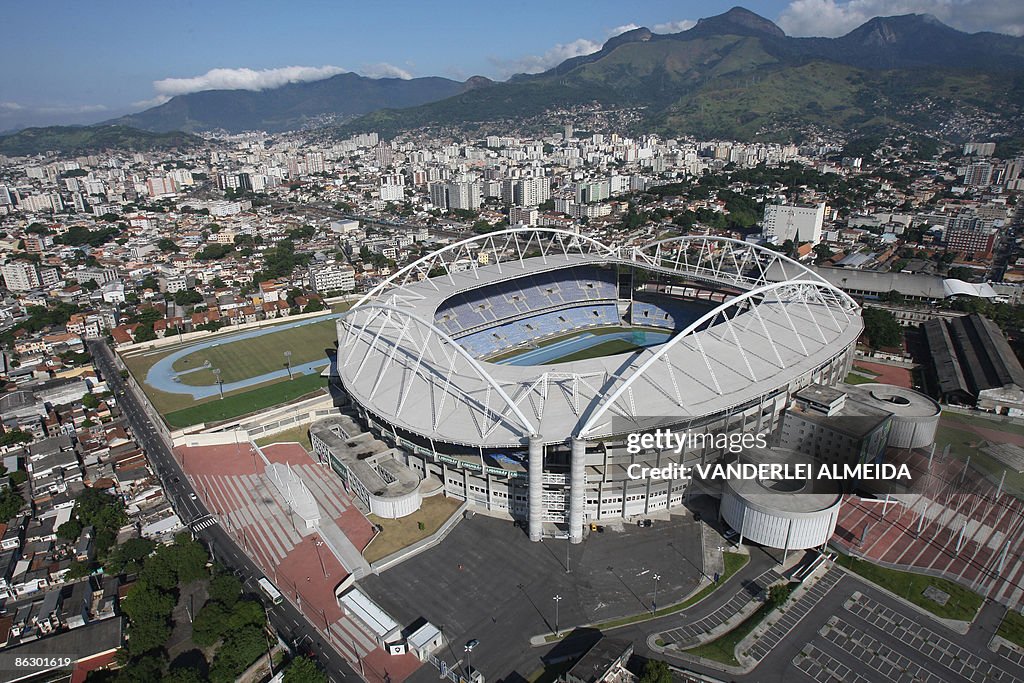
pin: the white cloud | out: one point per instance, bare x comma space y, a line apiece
244, 79
74, 109
384, 70
532, 64
833, 18
674, 26
152, 102
619, 30
11, 106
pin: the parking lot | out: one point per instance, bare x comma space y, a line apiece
487, 581
871, 637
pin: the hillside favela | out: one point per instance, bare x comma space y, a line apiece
577, 342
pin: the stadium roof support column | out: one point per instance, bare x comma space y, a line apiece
577, 489
535, 491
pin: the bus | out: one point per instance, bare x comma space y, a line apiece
272, 592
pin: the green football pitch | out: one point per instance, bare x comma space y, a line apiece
256, 356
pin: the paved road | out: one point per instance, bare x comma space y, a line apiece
289, 622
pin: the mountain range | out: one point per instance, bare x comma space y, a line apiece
294, 105
739, 75
736, 75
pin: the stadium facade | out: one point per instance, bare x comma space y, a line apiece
436, 359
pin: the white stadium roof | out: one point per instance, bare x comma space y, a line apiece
396, 363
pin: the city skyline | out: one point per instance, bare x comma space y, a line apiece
223, 47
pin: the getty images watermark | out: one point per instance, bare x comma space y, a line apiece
735, 443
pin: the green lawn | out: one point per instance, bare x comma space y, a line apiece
400, 533
724, 649
1012, 627
298, 434
608, 348
614, 329
245, 402
854, 378
247, 358
963, 603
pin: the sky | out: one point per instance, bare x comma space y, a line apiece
64, 62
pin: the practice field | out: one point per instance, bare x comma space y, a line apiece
256, 356
252, 364
244, 402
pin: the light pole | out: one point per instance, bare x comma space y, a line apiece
469, 651
557, 599
654, 602
317, 543
288, 362
568, 543
220, 382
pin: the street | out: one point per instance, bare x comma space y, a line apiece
289, 622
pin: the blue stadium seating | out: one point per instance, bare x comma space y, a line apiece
510, 335
503, 301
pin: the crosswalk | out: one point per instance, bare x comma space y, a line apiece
204, 523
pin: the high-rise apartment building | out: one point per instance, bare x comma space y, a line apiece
791, 222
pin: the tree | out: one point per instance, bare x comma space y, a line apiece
129, 556
11, 503
185, 297
213, 252
777, 595
188, 558
209, 625
144, 333
225, 588
893, 297
656, 671
143, 669
240, 650
70, 530
166, 244
15, 436
90, 401
100, 510
305, 670
159, 569
183, 674
77, 570
146, 636
881, 328
313, 306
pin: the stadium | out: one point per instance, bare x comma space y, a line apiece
512, 366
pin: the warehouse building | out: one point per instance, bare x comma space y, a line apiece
973, 364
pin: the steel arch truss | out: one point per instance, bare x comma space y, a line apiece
505, 249
749, 340
721, 260
419, 376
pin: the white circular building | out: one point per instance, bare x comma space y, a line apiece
915, 416
789, 514
513, 365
